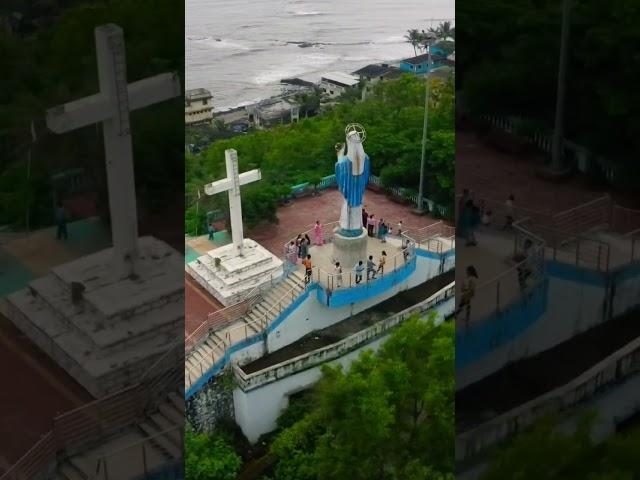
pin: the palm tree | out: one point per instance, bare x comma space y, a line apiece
443, 30
413, 37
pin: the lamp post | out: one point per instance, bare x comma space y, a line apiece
558, 134
429, 38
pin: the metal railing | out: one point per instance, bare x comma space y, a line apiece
83, 428
137, 456
217, 319
625, 221
250, 328
497, 294
593, 214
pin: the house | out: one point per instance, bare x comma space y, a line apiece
273, 111
336, 83
418, 64
377, 72
296, 85
198, 106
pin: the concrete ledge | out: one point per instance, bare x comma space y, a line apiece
255, 380
619, 365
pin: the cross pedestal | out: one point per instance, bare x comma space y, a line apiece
101, 323
230, 272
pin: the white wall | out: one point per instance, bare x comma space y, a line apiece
572, 308
258, 410
312, 315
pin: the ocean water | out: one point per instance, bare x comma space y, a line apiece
240, 49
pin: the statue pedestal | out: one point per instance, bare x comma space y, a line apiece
350, 250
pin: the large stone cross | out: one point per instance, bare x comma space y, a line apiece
232, 185
111, 107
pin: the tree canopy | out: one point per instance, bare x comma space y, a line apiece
56, 64
209, 457
551, 453
510, 67
304, 152
390, 416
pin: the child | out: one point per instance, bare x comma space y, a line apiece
371, 268
338, 274
308, 269
359, 269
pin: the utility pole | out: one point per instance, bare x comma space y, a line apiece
424, 132
558, 131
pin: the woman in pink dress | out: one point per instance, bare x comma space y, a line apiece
318, 234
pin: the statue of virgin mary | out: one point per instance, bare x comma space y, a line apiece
352, 175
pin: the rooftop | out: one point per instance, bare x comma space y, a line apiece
197, 94
423, 59
374, 70
341, 78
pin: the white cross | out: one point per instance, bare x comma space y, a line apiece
232, 185
111, 107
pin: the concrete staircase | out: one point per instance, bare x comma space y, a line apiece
273, 302
160, 432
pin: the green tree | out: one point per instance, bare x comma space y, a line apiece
389, 417
209, 457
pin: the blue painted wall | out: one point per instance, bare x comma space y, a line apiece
485, 336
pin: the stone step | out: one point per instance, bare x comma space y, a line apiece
162, 441
164, 423
169, 411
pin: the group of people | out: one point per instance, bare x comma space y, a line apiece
378, 228
372, 269
471, 215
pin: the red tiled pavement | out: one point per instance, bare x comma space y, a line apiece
198, 304
302, 213
495, 175
34, 391
295, 218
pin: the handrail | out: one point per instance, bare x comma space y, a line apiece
263, 322
581, 206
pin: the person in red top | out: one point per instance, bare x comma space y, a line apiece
307, 268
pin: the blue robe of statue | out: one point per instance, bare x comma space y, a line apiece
352, 186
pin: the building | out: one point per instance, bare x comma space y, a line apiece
335, 84
418, 65
377, 72
273, 111
198, 106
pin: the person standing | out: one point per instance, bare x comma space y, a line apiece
400, 228
337, 270
371, 225
304, 248
468, 291
308, 269
298, 243
318, 234
382, 262
292, 254
359, 269
61, 221
371, 269
211, 231
509, 213
380, 232
365, 217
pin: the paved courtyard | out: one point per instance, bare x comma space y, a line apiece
293, 219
